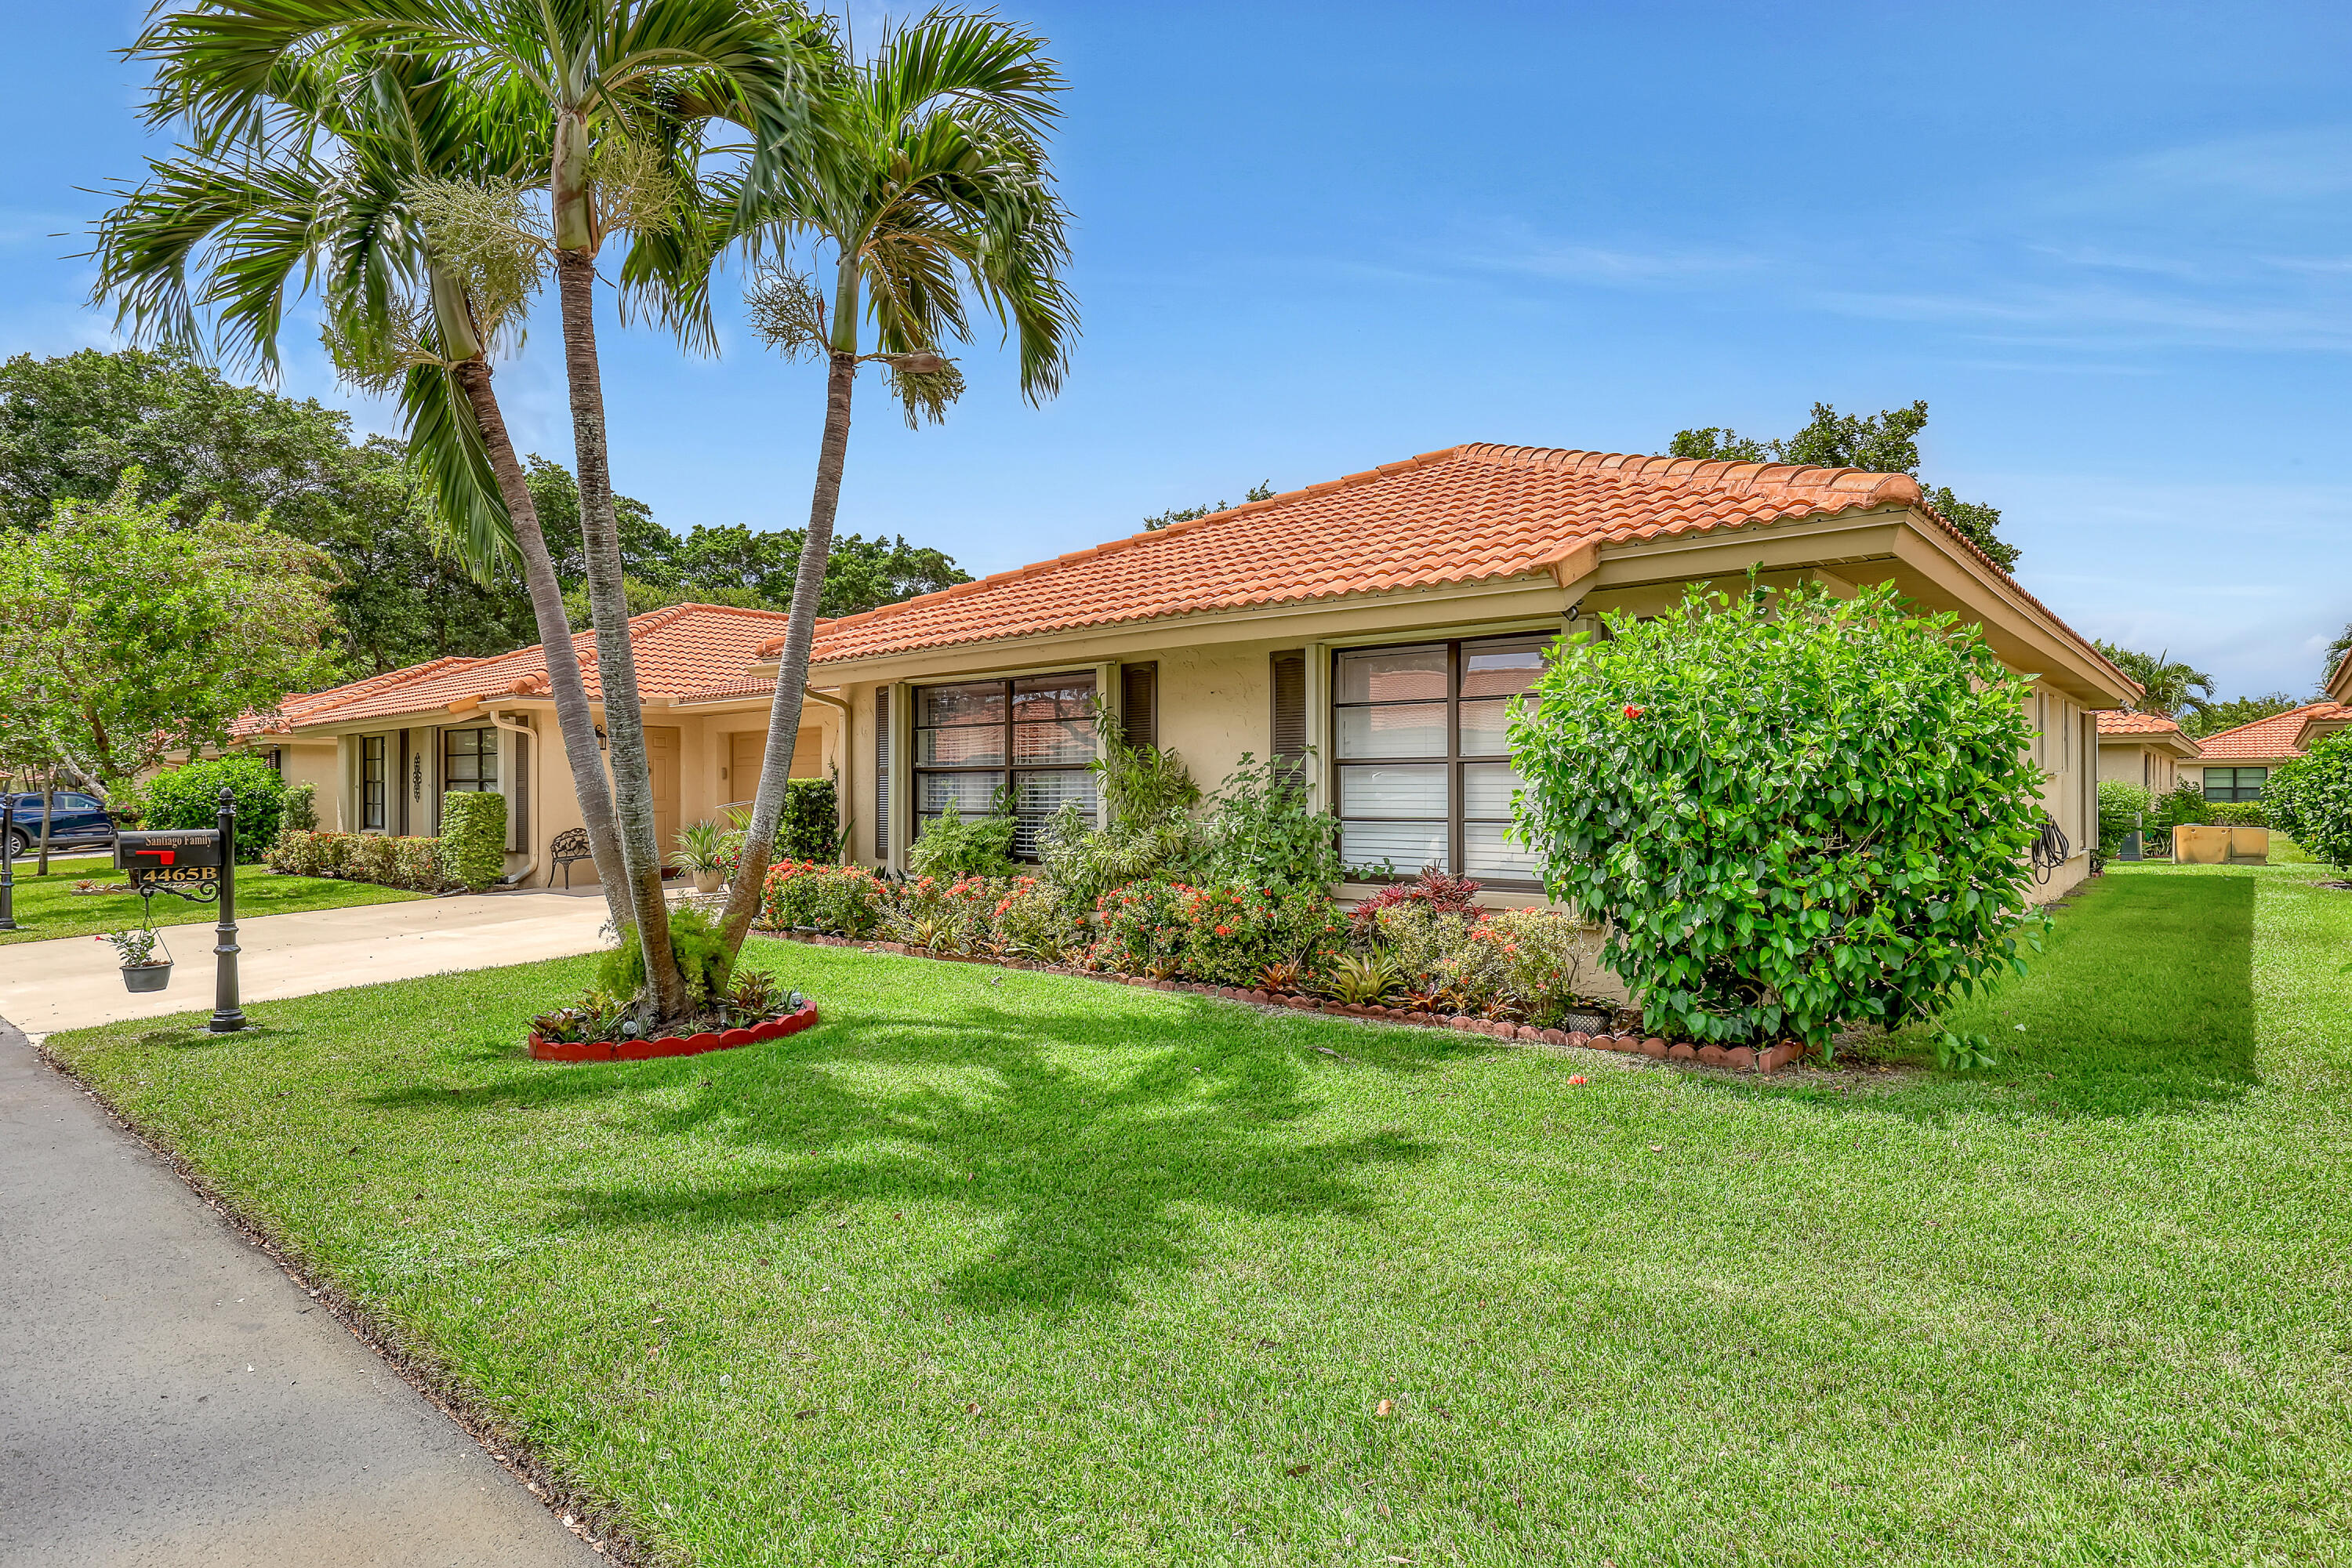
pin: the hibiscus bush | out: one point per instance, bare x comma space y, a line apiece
1789, 812
808, 895
1231, 934
2310, 800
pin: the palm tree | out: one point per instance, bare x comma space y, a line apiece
929, 182
619, 86
318, 181
2169, 686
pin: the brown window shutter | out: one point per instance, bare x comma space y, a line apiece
1289, 685
882, 773
1138, 704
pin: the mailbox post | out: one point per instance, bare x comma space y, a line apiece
8, 861
227, 1017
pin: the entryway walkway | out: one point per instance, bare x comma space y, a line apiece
170, 1398
74, 983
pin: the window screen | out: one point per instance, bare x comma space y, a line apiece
1028, 739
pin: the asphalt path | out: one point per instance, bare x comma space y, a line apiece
171, 1398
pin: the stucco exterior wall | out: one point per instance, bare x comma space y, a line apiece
2150, 767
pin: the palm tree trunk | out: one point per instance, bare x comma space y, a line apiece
792, 671
617, 664
574, 718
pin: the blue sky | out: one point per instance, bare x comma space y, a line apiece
2111, 245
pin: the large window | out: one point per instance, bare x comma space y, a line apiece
2235, 784
1033, 735
469, 759
372, 780
1422, 746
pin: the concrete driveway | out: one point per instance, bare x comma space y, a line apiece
74, 983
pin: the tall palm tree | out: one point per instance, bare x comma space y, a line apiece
928, 183
618, 86
315, 182
2168, 686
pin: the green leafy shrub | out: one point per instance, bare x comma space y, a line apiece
2123, 808
369, 857
301, 852
2310, 800
1037, 919
1517, 963
473, 837
190, 798
1086, 861
2240, 813
1790, 812
810, 826
1262, 834
839, 901
1229, 935
697, 944
301, 813
2181, 807
946, 915
950, 847
1141, 930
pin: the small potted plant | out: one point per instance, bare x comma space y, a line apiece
701, 854
142, 970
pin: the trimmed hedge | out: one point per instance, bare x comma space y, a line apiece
412, 863
810, 828
473, 837
190, 798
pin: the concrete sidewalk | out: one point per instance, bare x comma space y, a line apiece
73, 982
170, 1398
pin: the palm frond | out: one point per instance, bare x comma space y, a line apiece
445, 449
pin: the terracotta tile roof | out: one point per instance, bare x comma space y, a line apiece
2116, 723
727, 690
2281, 735
682, 650
1461, 515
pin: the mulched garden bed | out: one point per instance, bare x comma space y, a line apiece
548, 1050
1742, 1060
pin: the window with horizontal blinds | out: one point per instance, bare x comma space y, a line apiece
1029, 739
469, 761
882, 773
372, 780
1138, 704
1287, 681
2235, 784
1421, 754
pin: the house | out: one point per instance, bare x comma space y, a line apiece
2144, 748
1373, 629
2339, 680
2237, 763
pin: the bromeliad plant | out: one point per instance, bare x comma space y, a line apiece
1792, 813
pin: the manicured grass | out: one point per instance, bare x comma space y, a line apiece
999, 1268
49, 907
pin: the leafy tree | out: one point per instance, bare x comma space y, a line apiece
2170, 687
929, 185
2310, 800
1791, 812
1884, 443
2335, 652
1262, 490
131, 635
2212, 718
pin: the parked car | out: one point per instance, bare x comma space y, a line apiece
78, 822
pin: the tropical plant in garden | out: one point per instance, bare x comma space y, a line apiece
929, 183
621, 91
2123, 808
1791, 813
347, 167
2310, 800
2169, 687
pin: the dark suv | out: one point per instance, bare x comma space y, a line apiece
78, 822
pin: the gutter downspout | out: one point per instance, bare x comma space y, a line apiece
530, 852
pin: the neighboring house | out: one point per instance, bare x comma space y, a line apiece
2237, 763
2144, 748
1374, 630
2339, 681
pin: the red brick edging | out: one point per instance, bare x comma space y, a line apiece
1741, 1059
671, 1045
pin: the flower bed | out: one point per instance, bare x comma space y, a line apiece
1633, 1042
792, 1023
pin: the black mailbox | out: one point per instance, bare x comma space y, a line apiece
168, 850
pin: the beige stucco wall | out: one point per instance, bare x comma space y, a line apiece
2151, 767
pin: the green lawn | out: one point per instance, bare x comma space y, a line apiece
1000, 1267
49, 907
